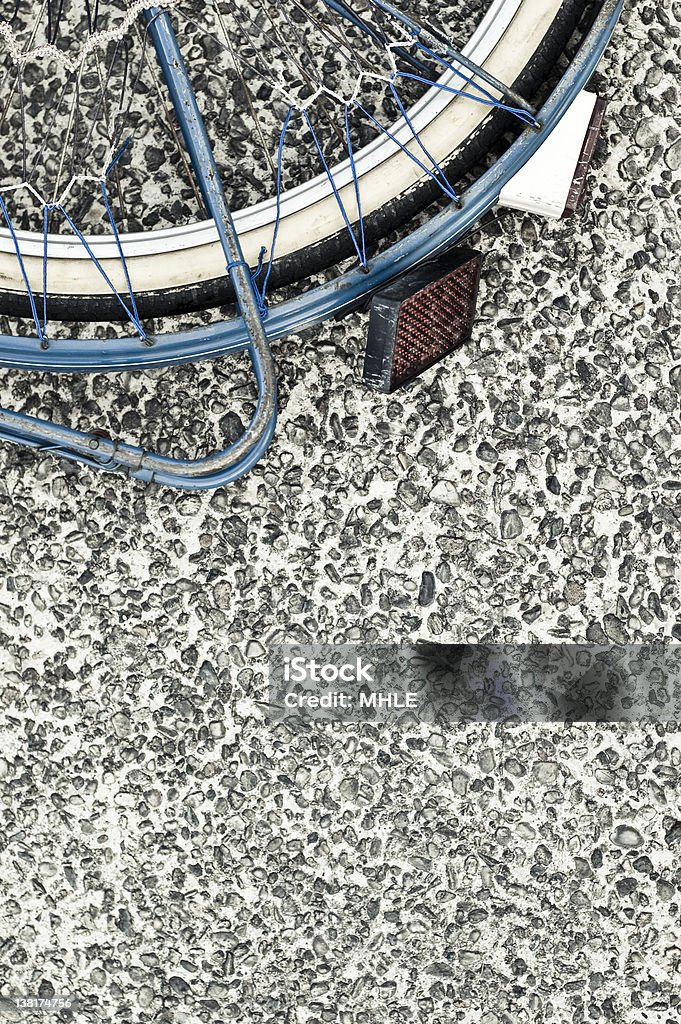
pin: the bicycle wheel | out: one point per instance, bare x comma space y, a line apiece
332, 125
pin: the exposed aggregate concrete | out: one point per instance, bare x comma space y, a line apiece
166, 854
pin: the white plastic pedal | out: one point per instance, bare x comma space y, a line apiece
552, 182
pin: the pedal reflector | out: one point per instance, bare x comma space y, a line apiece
420, 318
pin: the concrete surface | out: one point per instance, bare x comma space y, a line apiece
167, 855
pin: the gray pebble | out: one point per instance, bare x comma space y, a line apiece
628, 837
511, 525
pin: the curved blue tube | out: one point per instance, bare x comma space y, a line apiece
114, 456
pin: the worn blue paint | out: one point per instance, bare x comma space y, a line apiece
107, 455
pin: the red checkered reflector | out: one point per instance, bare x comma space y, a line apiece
420, 318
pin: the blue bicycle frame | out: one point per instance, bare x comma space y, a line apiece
251, 332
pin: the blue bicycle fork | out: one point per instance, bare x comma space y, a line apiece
228, 465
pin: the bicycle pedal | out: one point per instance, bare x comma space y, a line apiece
552, 183
420, 318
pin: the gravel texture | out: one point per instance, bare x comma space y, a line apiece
167, 855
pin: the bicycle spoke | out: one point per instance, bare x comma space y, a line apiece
168, 122
246, 90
